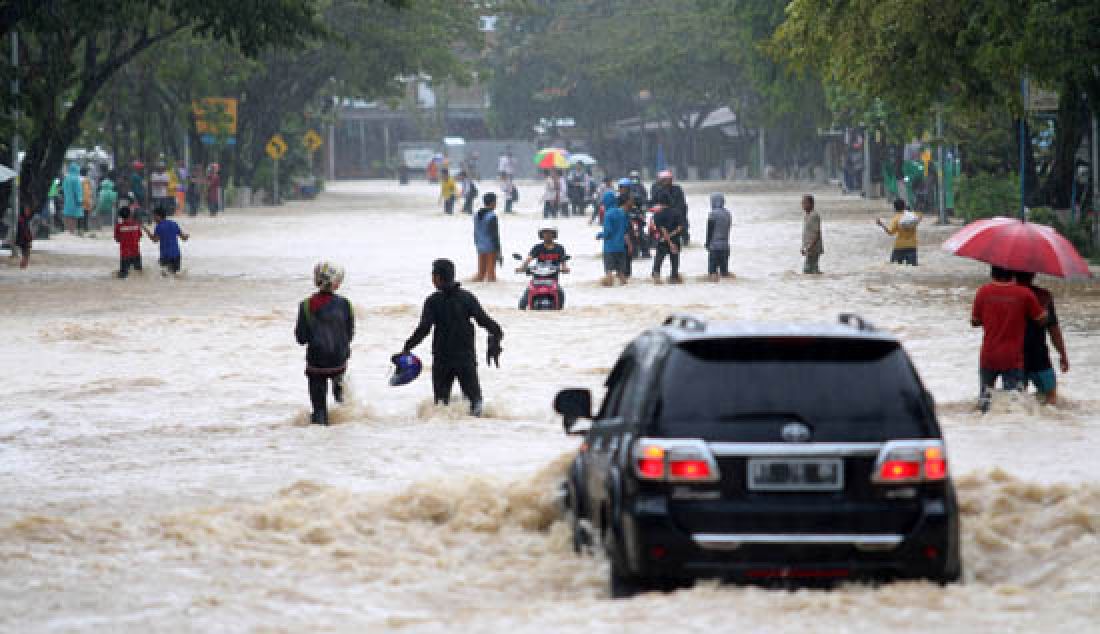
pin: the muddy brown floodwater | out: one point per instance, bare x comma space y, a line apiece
157, 474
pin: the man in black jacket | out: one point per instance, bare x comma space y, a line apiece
326, 324
668, 194
447, 314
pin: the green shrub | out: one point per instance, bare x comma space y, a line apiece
988, 195
1077, 232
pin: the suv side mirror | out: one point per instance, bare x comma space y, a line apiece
573, 404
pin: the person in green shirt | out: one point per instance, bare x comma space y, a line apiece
105, 204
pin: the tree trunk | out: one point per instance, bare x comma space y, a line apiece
53, 131
1071, 129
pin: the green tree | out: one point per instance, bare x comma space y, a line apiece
968, 56
69, 49
677, 61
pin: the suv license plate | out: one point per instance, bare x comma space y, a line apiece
774, 474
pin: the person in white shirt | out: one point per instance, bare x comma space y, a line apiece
506, 165
551, 196
158, 183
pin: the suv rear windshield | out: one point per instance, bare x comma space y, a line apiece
847, 389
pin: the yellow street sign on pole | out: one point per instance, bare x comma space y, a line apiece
312, 141
276, 147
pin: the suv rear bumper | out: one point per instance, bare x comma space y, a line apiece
656, 547
734, 541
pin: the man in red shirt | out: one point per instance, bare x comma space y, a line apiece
1003, 308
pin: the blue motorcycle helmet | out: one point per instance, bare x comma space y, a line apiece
406, 367
625, 182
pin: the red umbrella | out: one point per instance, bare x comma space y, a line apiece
1018, 246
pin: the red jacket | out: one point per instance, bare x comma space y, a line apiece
128, 235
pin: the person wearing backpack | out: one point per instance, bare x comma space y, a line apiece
326, 326
903, 226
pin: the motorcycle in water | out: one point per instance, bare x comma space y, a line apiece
543, 290
640, 235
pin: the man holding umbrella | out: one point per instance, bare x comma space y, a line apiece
1004, 308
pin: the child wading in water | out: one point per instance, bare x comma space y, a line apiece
168, 234
128, 237
326, 325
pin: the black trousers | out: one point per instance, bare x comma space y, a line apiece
443, 378
125, 264
673, 259
718, 262
318, 392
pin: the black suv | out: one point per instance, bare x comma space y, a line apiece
766, 453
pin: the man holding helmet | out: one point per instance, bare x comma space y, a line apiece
446, 315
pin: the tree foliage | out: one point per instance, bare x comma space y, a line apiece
70, 49
600, 61
967, 56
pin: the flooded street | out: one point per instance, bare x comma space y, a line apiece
157, 472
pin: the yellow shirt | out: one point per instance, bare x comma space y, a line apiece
903, 238
448, 189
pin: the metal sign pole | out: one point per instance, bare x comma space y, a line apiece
1023, 155
940, 197
276, 181
15, 139
866, 185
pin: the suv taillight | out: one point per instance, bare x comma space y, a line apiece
910, 461
674, 460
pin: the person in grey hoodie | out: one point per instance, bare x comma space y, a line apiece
718, 238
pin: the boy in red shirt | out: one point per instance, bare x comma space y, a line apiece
1003, 308
128, 237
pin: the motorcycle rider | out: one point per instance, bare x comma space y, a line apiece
546, 251
637, 190
667, 194
447, 314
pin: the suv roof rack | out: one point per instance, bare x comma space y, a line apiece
855, 321
685, 322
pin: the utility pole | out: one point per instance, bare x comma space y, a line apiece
15, 137
940, 193
763, 156
1023, 156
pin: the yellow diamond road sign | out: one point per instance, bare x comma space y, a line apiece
312, 141
276, 147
